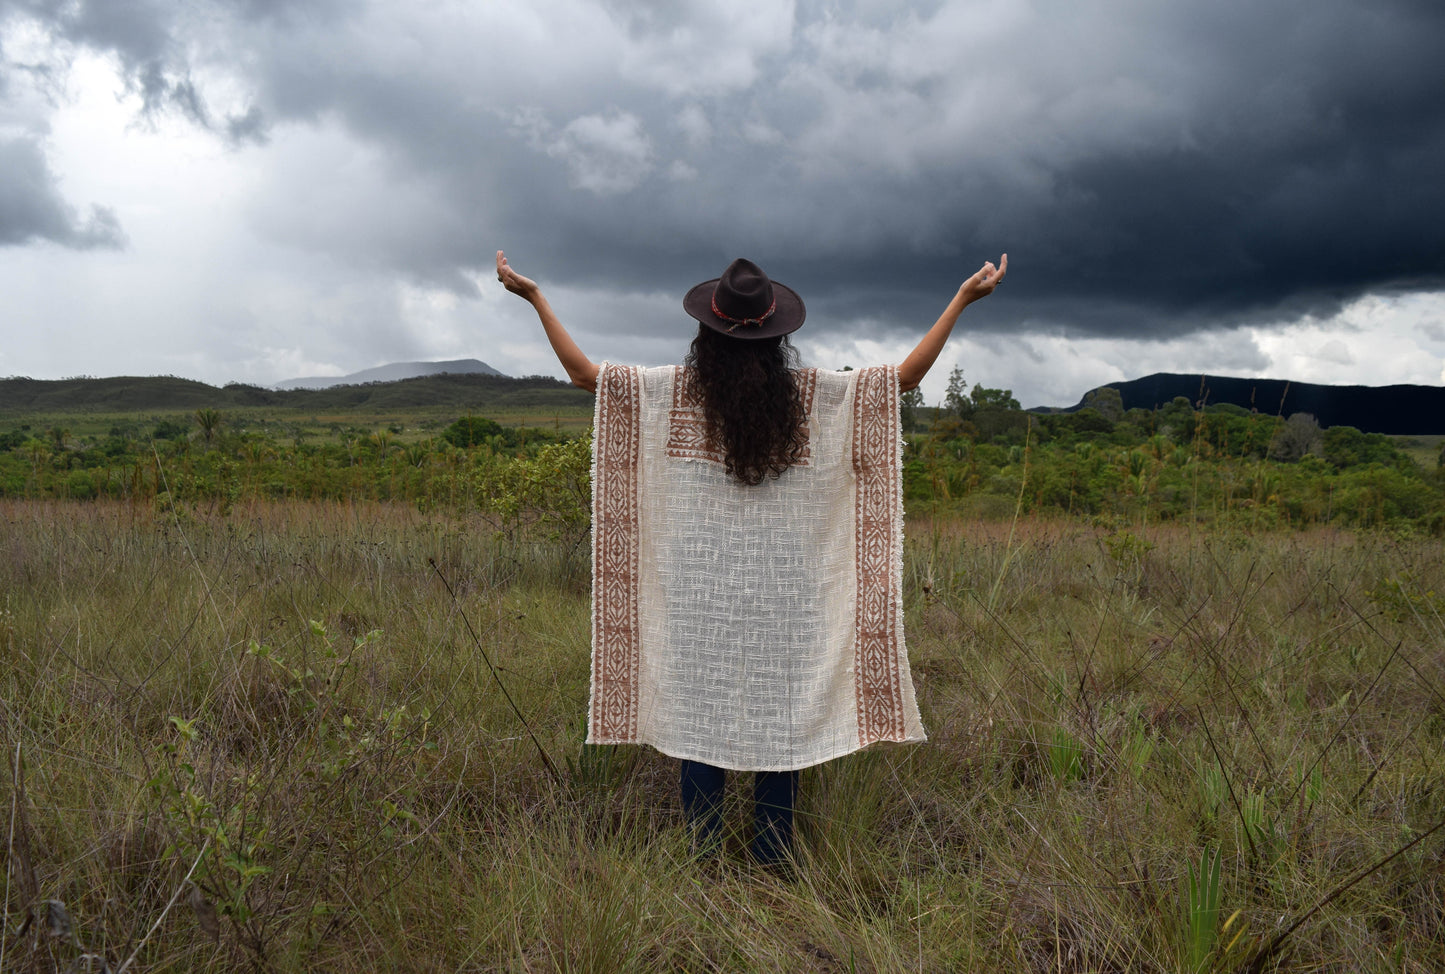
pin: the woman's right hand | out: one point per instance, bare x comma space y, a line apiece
913, 368
522, 286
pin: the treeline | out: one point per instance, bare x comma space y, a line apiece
978, 452
1175, 462
474, 391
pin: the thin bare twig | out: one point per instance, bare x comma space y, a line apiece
1384, 761
546, 759
174, 896
1257, 962
19, 856
1227, 783
1360, 702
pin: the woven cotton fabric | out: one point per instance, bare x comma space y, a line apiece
749, 627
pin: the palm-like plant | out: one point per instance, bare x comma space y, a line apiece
208, 425
381, 442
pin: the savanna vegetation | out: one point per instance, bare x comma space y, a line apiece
977, 453
318, 705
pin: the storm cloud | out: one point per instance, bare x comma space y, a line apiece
32, 209
1152, 169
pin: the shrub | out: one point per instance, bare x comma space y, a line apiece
79, 485
470, 431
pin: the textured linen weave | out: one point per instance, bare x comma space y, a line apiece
753, 628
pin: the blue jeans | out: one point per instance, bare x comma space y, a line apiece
774, 794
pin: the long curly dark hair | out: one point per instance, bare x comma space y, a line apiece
750, 401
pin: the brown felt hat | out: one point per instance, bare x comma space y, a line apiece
744, 303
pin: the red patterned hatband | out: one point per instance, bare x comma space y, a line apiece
743, 321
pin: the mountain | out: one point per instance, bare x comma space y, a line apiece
391, 373
1401, 410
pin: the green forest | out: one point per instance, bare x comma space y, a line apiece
526, 461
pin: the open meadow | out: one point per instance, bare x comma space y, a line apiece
271, 736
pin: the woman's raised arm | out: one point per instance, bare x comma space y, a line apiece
921, 359
580, 369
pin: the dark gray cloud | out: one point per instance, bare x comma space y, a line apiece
135, 29
153, 41
249, 126
32, 209
1150, 167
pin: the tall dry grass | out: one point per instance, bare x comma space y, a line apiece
268, 740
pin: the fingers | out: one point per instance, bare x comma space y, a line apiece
989, 276
511, 280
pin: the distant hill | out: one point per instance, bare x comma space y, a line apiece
455, 390
391, 373
1401, 410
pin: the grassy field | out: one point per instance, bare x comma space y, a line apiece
1424, 450
273, 740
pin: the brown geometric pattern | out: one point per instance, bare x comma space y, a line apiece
616, 635
687, 430
876, 442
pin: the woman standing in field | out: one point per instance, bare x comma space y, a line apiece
747, 548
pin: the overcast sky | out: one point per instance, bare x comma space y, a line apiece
254, 190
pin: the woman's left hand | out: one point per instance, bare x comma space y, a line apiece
981, 284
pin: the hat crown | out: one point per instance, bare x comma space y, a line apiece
744, 292
745, 303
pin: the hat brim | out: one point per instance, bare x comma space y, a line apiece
786, 318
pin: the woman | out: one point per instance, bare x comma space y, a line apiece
747, 548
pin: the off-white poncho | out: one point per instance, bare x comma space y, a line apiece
753, 628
